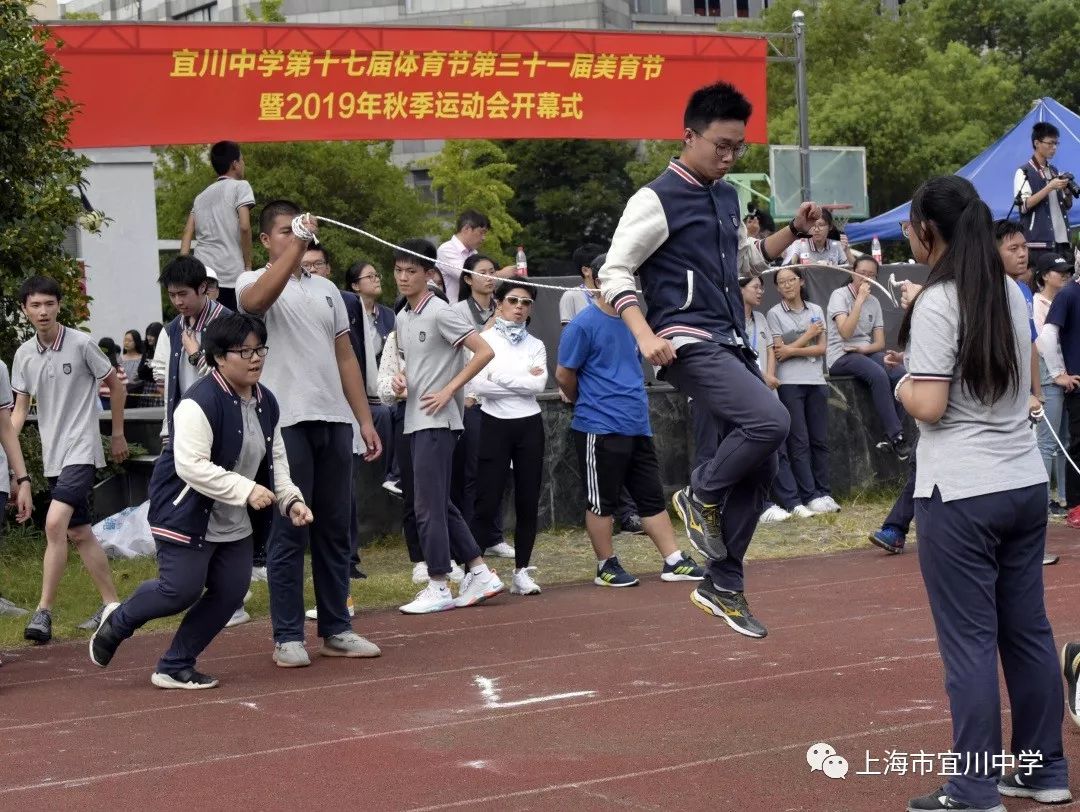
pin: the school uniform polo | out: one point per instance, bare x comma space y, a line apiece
789, 325
217, 227
301, 367
759, 337
841, 302
430, 337
64, 378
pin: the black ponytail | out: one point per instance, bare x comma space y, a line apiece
987, 357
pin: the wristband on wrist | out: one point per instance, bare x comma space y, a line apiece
20, 480
293, 501
798, 234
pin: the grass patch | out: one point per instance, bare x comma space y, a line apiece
561, 556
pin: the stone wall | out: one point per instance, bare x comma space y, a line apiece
856, 463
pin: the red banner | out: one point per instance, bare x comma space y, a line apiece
160, 84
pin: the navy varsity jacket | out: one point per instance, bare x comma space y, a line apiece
179, 513
1038, 222
688, 245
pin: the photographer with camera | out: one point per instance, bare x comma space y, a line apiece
1044, 196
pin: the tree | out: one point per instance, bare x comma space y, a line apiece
269, 12
920, 108
352, 182
38, 175
472, 175
567, 193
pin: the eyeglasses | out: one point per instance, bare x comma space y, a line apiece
819, 227
247, 352
905, 228
724, 147
316, 265
794, 280
519, 300
1048, 143
368, 276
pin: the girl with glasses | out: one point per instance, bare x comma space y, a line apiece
817, 248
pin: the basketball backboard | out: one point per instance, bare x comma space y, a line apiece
837, 175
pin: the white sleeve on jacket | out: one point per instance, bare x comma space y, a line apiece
160, 362
389, 366
1049, 345
642, 229
191, 453
1021, 187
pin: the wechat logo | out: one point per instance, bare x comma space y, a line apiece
823, 757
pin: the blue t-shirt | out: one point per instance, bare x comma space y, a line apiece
611, 387
1029, 297
1065, 313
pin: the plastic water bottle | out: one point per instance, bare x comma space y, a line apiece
875, 249
804, 254
522, 263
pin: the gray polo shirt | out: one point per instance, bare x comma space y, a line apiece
832, 254
974, 449
231, 522
64, 377
788, 325
301, 367
870, 318
431, 337
7, 401
573, 302
472, 310
217, 227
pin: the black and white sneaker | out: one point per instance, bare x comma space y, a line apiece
939, 800
731, 607
1013, 786
1070, 667
39, 629
702, 524
187, 678
105, 641
901, 446
94, 620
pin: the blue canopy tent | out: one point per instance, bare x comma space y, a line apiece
992, 172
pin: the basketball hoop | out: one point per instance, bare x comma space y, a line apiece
840, 212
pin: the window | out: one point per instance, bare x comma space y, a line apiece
650, 6
202, 14
707, 8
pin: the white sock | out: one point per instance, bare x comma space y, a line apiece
479, 569
674, 558
601, 561
440, 582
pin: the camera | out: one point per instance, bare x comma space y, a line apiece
1071, 186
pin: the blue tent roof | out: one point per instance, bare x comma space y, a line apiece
992, 172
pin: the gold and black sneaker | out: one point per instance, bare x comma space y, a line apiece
731, 607
1070, 667
702, 524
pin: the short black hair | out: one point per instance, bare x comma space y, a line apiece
183, 272
796, 271
355, 271
471, 218
1006, 228
717, 102
465, 289
513, 284
313, 246
274, 209
41, 285
585, 254
417, 245
866, 258
112, 352
226, 332
1042, 130
597, 263
223, 154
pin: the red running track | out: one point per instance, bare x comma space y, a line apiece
581, 698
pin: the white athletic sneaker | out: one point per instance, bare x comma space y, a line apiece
432, 598
823, 504
774, 513
313, 614
348, 644
802, 512
239, 617
478, 588
419, 573
523, 584
258, 574
500, 550
291, 655
392, 486
457, 574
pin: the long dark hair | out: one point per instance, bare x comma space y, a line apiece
989, 367
470, 263
136, 340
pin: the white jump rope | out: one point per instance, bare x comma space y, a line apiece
302, 231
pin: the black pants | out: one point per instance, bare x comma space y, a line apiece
184, 571
443, 533
903, 510
519, 441
808, 438
981, 560
1072, 479
320, 461
408, 510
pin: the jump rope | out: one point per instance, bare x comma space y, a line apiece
303, 232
